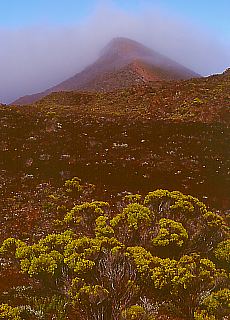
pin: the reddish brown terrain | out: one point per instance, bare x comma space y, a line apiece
122, 63
132, 122
175, 136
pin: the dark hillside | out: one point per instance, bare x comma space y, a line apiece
175, 135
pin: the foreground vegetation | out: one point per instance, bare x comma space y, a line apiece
143, 257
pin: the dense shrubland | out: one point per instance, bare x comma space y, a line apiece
143, 257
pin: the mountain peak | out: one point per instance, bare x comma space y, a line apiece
122, 41
125, 47
123, 63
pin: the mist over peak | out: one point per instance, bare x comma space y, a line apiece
122, 45
34, 58
124, 63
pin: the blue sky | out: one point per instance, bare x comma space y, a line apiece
214, 14
44, 42
210, 14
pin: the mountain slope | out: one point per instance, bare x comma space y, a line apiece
122, 63
175, 135
198, 100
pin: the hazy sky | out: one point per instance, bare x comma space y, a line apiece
45, 41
